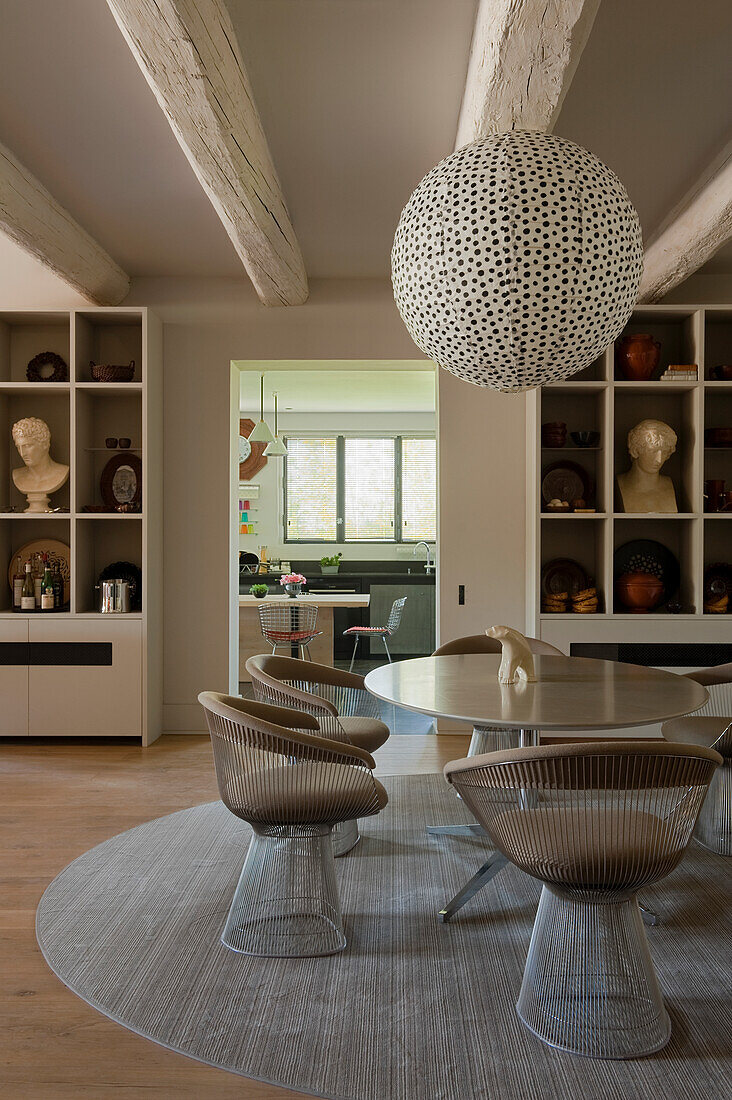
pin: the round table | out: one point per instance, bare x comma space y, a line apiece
570, 693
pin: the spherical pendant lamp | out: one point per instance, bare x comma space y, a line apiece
517, 260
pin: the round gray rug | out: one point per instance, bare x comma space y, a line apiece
412, 1009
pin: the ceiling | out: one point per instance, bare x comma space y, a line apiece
359, 98
356, 388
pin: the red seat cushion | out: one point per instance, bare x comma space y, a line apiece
288, 635
366, 630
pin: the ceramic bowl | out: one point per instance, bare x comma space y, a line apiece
585, 439
639, 592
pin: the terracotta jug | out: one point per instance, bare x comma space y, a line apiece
637, 355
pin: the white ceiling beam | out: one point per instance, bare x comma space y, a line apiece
523, 57
31, 217
695, 229
188, 53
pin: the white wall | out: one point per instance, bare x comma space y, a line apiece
268, 513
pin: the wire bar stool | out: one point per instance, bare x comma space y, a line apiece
383, 632
346, 712
594, 823
289, 624
292, 787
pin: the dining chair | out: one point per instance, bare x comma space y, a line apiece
594, 823
289, 624
345, 710
714, 827
383, 632
275, 771
491, 738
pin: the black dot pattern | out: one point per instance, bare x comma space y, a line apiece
517, 260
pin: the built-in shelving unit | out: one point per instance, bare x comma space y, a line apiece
122, 698
599, 400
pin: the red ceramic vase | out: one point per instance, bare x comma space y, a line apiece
637, 355
639, 592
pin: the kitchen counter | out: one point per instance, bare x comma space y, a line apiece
251, 641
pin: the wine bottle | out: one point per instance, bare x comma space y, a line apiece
58, 587
37, 571
18, 577
28, 595
46, 586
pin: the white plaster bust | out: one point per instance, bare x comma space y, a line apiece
40, 475
642, 489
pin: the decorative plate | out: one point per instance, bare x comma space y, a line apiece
57, 552
718, 580
649, 556
563, 575
250, 466
565, 481
121, 482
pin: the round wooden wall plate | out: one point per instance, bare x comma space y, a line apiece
256, 460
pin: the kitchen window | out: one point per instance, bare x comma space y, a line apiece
350, 488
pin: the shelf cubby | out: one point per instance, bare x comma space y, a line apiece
99, 542
678, 409
717, 338
107, 337
677, 329
580, 411
25, 335
17, 532
54, 409
582, 542
101, 414
680, 539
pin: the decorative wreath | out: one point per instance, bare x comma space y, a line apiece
60, 372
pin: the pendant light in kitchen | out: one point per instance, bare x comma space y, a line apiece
275, 449
260, 433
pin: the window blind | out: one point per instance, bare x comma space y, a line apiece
369, 489
311, 486
419, 490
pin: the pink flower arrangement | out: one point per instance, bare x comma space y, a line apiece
293, 578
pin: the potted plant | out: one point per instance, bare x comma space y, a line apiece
259, 591
330, 564
293, 584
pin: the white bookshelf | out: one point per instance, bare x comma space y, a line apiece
596, 399
124, 697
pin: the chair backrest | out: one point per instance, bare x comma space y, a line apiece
642, 797
395, 615
718, 681
267, 759
317, 689
278, 620
481, 643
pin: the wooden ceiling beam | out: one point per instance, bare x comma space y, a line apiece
523, 57
188, 53
693, 231
31, 217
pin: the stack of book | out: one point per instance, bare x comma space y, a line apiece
681, 372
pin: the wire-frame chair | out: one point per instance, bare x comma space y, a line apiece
345, 710
594, 823
292, 786
491, 738
714, 827
289, 623
383, 632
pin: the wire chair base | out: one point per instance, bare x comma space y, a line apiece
286, 904
589, 985
345, 836
714, 827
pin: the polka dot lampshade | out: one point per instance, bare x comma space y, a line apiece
517, 260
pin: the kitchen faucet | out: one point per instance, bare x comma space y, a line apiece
429, 565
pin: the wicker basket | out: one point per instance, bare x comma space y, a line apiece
107, 373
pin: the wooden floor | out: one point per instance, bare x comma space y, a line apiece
57, 799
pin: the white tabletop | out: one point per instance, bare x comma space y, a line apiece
570, 692
322, 599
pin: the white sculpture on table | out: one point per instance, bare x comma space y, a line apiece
517, 661
40, 475
642, 489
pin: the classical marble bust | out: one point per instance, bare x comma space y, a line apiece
642, 489
40, 475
